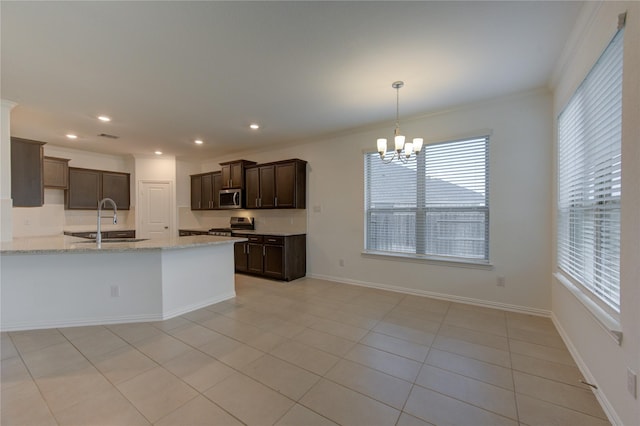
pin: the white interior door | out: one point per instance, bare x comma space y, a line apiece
154, 208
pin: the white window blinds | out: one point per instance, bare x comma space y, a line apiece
436, 204
589, 186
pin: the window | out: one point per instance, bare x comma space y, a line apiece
589, 186
436, 205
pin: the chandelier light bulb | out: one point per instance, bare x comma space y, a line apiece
382, 146
408, 149
417, 144
399, 142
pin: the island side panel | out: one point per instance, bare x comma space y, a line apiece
193, 278
74, 289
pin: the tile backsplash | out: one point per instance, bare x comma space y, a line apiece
276, 220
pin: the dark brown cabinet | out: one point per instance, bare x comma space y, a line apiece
233, 173
204, 191
116, 186
88, 186
84, 189
276, 185
55, 172
196, 192
240, 257
279, 257
27, 189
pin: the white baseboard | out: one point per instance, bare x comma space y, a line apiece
441, 296
39, 325
199, 305
600, 396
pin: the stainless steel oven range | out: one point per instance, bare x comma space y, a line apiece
235, 223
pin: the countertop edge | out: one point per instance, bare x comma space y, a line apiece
67, 244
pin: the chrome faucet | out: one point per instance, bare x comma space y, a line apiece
115, 217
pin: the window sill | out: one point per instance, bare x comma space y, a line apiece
610, 324
444, 261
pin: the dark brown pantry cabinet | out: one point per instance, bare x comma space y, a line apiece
278, 185
27, 189
278, 257
88, 186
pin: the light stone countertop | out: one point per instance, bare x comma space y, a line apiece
66, 244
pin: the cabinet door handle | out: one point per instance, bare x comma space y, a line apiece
264, 251
199, 204
276, 201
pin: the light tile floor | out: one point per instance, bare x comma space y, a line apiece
310, 352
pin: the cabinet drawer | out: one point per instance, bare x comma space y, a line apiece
279, 241
254, 238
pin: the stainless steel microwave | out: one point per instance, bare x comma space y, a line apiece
230, 198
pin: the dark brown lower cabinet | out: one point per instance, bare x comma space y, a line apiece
278, 257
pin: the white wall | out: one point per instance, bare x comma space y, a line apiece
6, 202
52, 218
602, 360
520, 185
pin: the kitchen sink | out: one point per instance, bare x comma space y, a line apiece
116, 240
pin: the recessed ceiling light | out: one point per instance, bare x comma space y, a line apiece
104, 118
158, 152
198, 142
72, 136
254, 126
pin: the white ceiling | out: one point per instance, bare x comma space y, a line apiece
171, 72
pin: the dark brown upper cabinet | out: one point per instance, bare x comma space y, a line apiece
88, 186
233, 173
278, 185
204, 190
55, 172
27, 189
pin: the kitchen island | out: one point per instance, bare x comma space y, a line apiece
64, 281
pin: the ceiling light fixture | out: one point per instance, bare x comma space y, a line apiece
198, 142
158, 152
71, 136
399, 143
254, 126
104, 118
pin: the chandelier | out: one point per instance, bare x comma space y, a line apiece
399, 139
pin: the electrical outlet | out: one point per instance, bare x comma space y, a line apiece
115, 291
502, 281
632, 384
341, 262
